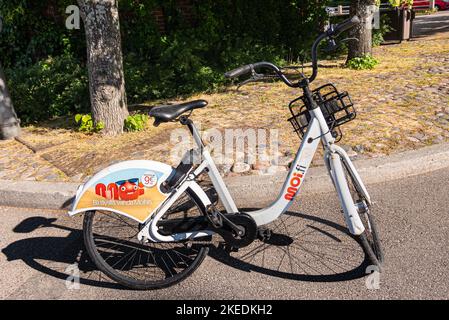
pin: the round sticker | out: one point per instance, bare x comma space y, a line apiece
149, 179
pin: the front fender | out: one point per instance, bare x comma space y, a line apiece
131, 188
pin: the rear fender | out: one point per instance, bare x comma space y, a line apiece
130, 188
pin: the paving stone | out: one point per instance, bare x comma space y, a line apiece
276, 169
413, 139
240, 167
52, 177
420, 136
77, 178
345, 147
225, 168
359, 148
283, 161
351, 153
261, 165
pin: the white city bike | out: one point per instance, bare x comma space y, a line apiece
148, 225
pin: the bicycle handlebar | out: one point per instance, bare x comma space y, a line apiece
331, 33
249, 67
238, 72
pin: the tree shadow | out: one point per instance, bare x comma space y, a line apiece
52, 255
302, 248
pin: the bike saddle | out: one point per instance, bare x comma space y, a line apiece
167, 113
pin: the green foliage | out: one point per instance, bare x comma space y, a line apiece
225, 35
378, 34
52, 87
398, 3
136, 122
46, 63
362, 63
395, 3
86, 124
33, 30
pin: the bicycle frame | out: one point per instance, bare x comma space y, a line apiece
334, 155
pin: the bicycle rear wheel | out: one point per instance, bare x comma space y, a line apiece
111, 241
369, 239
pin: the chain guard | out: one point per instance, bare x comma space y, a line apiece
232, 240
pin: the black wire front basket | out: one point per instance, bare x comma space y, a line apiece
337, 108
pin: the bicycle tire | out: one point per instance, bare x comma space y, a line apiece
141, 284
369, 239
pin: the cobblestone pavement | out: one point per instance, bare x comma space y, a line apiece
400, 109
18, 162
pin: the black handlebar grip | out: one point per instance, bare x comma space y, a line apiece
238, 72
345, 25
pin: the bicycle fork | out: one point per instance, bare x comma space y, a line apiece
333, 158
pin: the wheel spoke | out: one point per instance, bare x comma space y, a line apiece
130, 261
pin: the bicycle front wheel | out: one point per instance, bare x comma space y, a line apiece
111, 241
369, 239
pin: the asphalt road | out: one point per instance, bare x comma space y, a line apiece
429, 25
311, 255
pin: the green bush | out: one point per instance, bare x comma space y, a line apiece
86, 123
225, 35
52, 87
136, 122
362, 63
33, 30
45, 62
378, 34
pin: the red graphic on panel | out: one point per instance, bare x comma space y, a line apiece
130, 191
124, 190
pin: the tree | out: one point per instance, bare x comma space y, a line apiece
105, 63
364, 9
9, 123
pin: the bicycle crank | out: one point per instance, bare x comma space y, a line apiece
243, 235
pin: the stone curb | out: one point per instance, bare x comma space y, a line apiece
58, 195
374, 170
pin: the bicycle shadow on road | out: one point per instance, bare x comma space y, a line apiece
52, 255
303, 248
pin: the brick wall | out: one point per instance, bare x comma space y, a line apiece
158, 15
186, 8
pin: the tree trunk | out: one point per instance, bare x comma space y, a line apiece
363, 32
9, 123
105, 63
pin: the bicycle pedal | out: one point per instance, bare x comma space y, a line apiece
264, 234
214, 217
230, 249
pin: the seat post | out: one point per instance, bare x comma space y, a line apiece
193, 130
211, 169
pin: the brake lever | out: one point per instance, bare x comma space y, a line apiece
254, 78
333, 45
